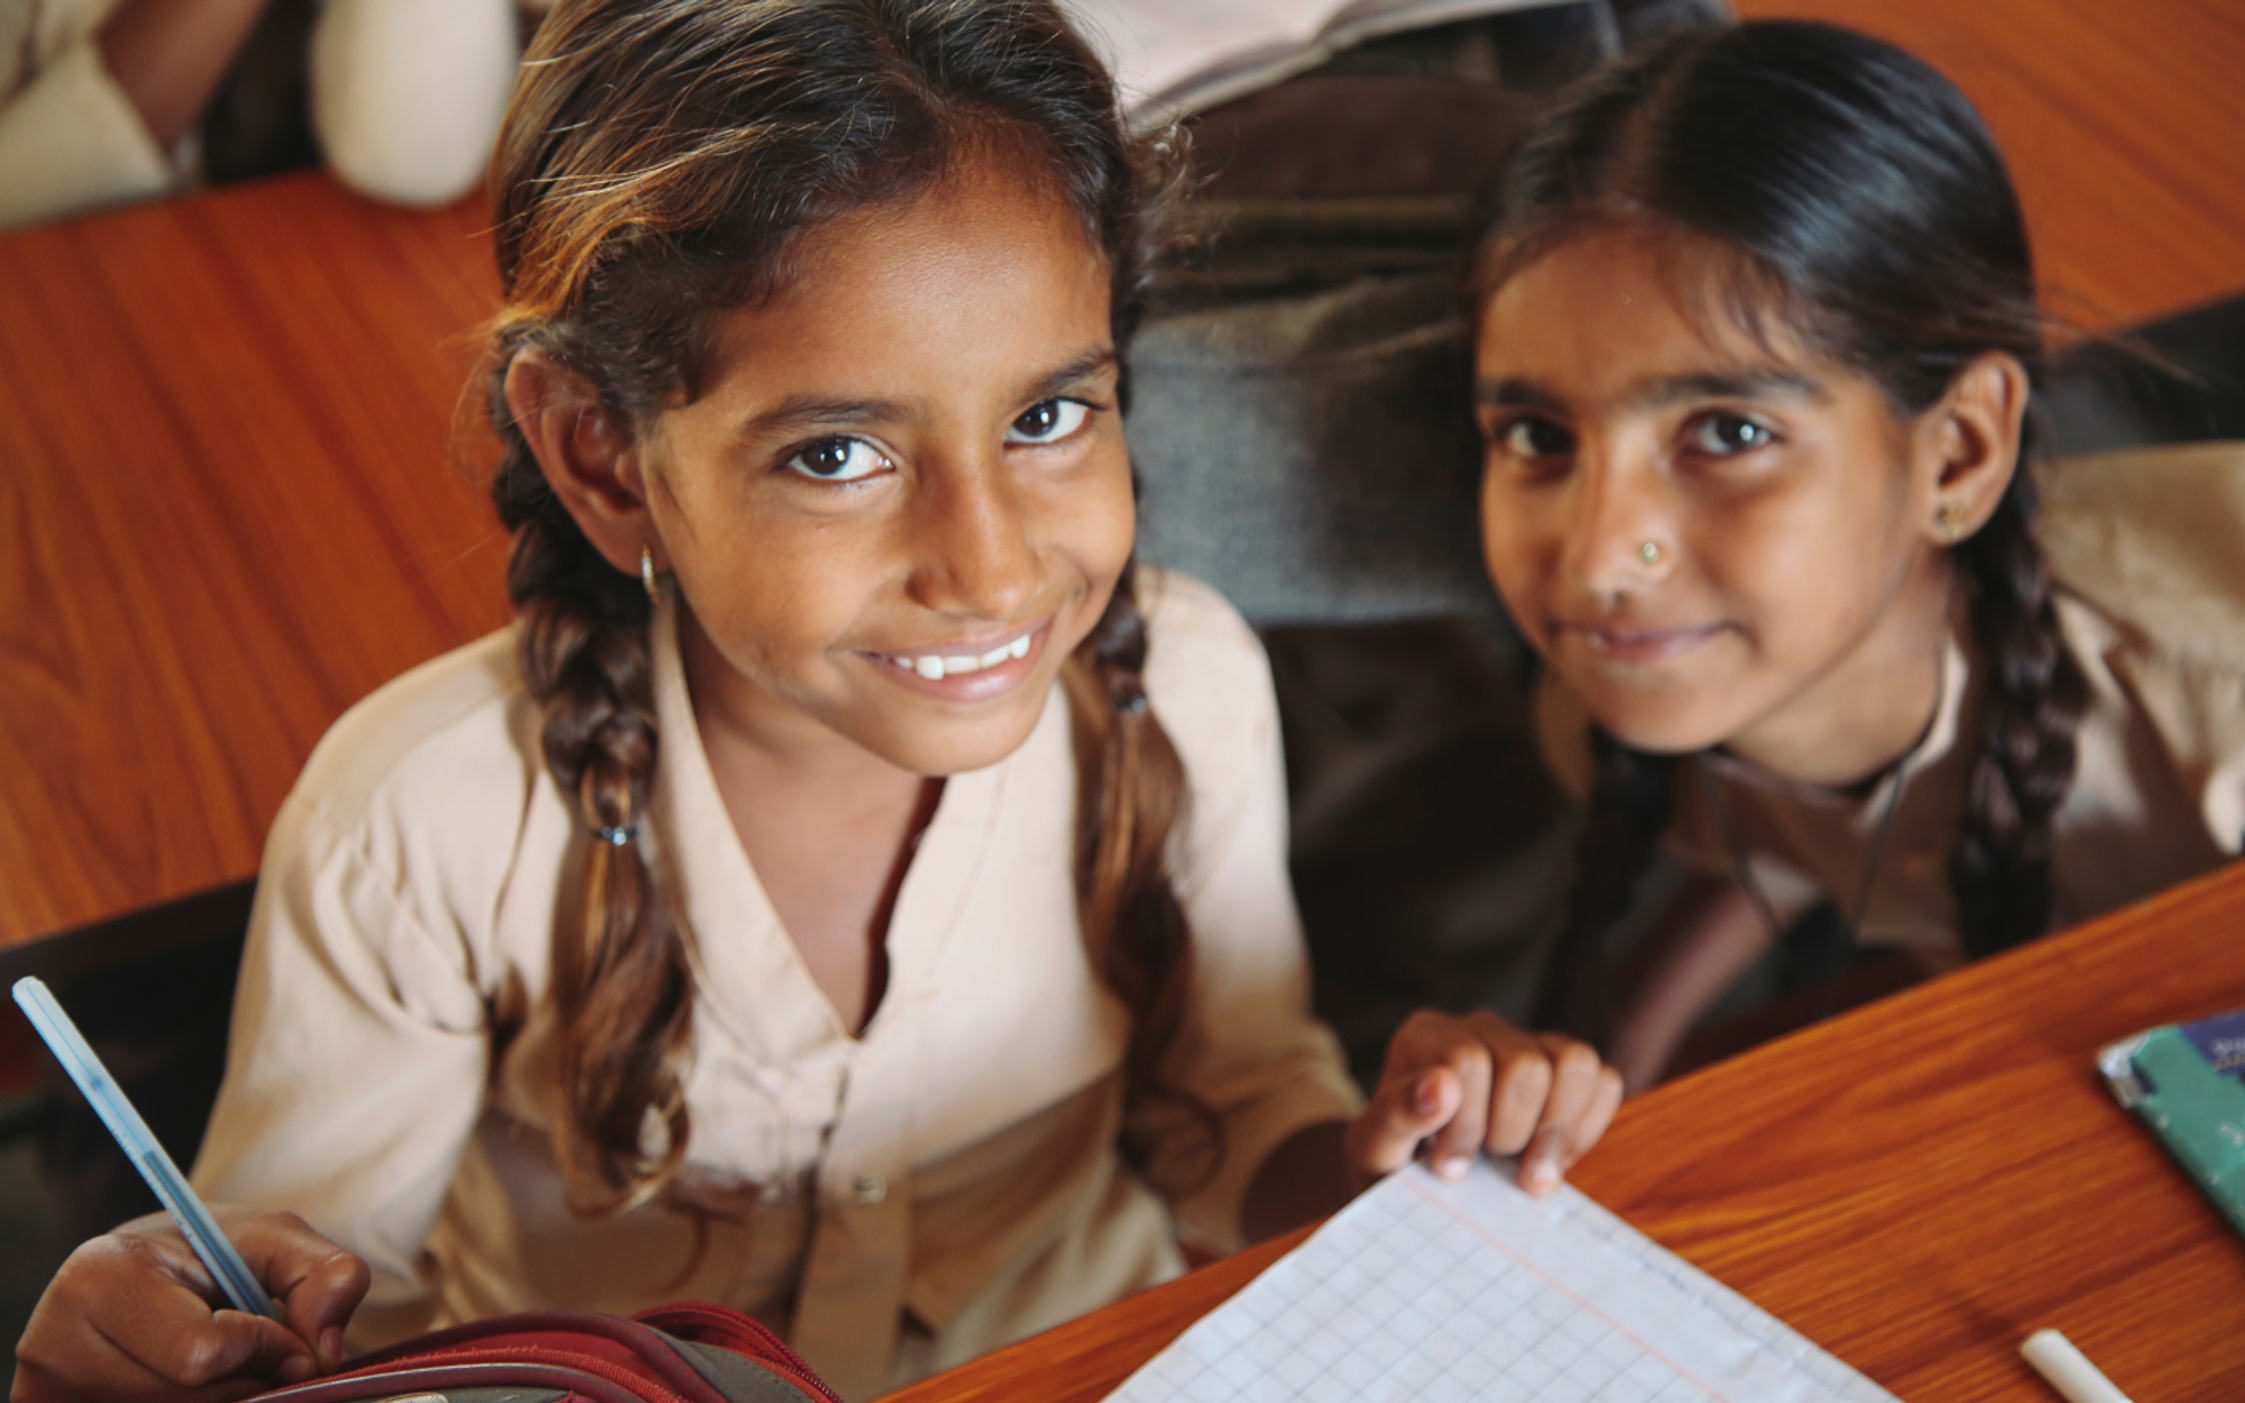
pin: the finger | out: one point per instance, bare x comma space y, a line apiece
1404, 1112
1580, 1085
317, 1283
123, 1321
1458, 1141
1521, 1083
1592, 1125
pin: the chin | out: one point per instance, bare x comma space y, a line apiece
940, 750
1659, 725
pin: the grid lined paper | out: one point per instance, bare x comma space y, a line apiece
1473, 1292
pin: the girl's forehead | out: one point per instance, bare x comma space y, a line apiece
1602, 314
982, 280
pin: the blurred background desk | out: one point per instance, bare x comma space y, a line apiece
227, 513
1915, 1186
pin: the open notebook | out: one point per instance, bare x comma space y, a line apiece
1447, 1292
1177, 56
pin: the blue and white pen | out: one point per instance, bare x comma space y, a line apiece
69, 1046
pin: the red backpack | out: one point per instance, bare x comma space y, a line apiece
672, 1354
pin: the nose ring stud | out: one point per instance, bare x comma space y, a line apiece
1649, 552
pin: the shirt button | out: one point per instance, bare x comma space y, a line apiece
869, 1188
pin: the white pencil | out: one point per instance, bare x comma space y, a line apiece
2068, 1369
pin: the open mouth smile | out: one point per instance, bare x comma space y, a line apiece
937, 666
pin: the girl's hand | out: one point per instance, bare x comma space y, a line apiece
130, 1318
1474, 1081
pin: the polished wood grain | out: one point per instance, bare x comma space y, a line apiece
230, 505
1915, 1185
2124, 125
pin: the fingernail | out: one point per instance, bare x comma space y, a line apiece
1423, 1099
1453, 1167
1540, 1176
331, 1344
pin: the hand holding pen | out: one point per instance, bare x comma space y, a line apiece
129, 1317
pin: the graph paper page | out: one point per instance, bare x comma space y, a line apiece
1473, 1292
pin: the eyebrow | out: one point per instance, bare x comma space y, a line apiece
798, 412
1658, 394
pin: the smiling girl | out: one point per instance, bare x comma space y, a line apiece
1757, 330
850, 892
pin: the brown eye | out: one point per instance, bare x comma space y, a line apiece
1726, 435
838, 460
1049, 421
1535, 438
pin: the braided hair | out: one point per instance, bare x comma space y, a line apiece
1867, 205
657, 161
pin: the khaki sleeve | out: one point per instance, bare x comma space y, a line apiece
357, 1062
1250, 1049
407, 95
71, 141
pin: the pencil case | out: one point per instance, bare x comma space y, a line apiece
675, 1354
2187, 1082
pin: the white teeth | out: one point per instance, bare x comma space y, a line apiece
935, 668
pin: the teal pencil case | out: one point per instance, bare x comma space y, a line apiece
2187, 1082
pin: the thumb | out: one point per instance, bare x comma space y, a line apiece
1405, 1112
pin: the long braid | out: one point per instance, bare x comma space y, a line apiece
1131, 796
622, 987
1631, 796
2035, 696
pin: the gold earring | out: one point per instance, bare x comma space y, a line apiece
1950, 521
647, 574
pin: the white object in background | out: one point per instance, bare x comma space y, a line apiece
2068, 1369
1175, 57
1455, 1291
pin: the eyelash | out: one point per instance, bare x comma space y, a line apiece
1695, 432
1506, 436
1060, 404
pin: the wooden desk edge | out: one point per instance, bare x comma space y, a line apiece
1087, 1358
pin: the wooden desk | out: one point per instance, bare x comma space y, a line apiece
1915, 1186
229, 508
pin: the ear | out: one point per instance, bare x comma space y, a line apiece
589, 456
1969, 445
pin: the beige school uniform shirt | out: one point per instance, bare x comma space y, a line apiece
893, 1203
2149, 548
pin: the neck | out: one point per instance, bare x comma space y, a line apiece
1872, 707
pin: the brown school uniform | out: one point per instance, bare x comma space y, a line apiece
895, 1202
2149, 550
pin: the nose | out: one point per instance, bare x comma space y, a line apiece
974, 544
1619, 529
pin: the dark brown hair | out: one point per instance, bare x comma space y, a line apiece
659, 160
1869, 209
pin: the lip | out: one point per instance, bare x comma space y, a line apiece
1638, 645
983, 684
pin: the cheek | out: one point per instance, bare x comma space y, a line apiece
1092, 522
1514, 544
